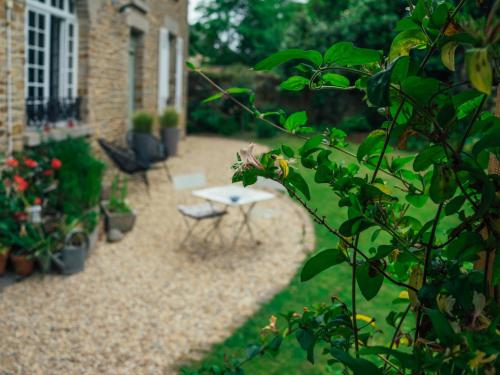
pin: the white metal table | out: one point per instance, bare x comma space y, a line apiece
236, 196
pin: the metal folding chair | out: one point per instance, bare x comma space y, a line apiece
194, 214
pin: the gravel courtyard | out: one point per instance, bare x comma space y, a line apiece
144, 305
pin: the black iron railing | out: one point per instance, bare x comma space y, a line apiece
43, 112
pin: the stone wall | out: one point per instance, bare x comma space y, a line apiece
17, 74
104, 37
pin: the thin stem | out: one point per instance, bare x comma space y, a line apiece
321, 220
398, 329
427, 262
353, 300
471, 123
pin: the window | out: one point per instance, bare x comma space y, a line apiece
51, 59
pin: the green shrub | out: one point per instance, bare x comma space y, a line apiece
356, 123
169, 118
206, 119
118, 195
142, 122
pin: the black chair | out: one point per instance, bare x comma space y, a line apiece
149, 149
126, 161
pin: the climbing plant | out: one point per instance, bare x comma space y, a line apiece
448, 274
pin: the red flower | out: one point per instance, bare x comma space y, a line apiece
30, 163
48, 172
11, 162
21, 183
55, 163
37, 201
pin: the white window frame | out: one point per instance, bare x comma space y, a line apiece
163, 69
48, 10
179, 74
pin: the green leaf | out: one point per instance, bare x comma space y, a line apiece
190, 65
419, 88
406, 360
287, 151
287, 55
238, 90
372, 144
490, 141
297, 181
354, 226
399, 162
406, 24
454, 205
479, 69
323, 175
359, 366
311, 145
295, 121
295, 83
443, 184
307, 340
428, 156
320, 262
417, 200
378, 88
442, 327
440, 15
212, 98
336, 80
448, 55
405, 41
369, 280
345, 53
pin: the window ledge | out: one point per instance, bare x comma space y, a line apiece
139, 5
34, 137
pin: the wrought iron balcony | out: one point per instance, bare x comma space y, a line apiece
51, 112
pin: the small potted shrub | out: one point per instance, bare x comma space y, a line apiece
4, 255
117, 212
142, 123
169, 130
71, 258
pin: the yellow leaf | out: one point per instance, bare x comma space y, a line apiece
404, 295
448, 55
479, 69
367, 319
416, 279
284, 167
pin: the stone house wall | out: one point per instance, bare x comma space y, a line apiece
105, 28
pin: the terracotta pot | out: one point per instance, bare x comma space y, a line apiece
3, 262
23, 266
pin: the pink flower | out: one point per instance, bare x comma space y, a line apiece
37, 201
30, 163
55, 163
48, 172
248, 159
21, 183
11, 162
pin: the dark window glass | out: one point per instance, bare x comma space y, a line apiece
32, 19
31, 38
31, 56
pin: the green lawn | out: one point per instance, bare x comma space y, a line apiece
335, 281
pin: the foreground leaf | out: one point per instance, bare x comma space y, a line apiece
405, 41
479, 70
320, 262
287, 55
345, 53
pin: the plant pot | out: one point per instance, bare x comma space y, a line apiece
122, 221
23, 265
141, 145
3, 262
93, 238
71, 259
170, 139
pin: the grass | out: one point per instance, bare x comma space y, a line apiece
333, 282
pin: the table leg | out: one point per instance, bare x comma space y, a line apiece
245, 223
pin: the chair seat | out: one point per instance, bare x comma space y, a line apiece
201, 211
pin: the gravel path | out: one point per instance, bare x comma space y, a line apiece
143, 305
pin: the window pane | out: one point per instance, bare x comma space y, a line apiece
41, 39
31, 38
72, 6
41, 22
31, 92
41, 58
40, 75
40, 92
32, 19
31, 56
31, 75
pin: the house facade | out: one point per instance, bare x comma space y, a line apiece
82, 67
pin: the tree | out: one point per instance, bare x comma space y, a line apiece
240, 31
432, 261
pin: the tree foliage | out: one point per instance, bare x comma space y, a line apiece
436, 266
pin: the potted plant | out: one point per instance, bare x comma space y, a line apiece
4, 256
142, 123
28, 245
169, 130
118, 214
71, 258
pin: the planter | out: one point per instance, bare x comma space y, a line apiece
170, 139
3, 262
71, 259
23, 265
93, 238
141, 145
124, 222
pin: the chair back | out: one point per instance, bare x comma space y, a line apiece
123, 158
189, 181
147, 147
